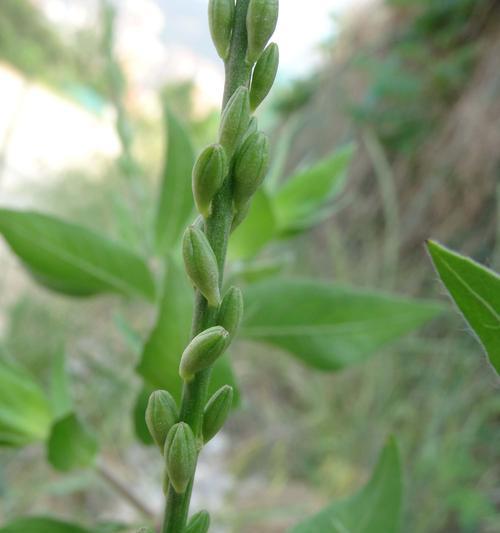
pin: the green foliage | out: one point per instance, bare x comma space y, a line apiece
42, 525
476, 291
376, 508
328, 326
71, 444
175, 201
72, 259
25, 413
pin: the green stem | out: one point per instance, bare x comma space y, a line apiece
218, 229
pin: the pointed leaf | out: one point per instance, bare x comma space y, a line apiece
176, 198
71, 444
72, 259
374, 509
329, 326
25, 414
41, 525
159, 364
476, 291
306, 195
256, 230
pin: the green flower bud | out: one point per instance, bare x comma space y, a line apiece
250, 168
203, 351
209, 172
161, 415
220, 20
180, 455
216, 412
199, 523
264, 75
231, 311
253, 126
201, 264
262, 17
234, 121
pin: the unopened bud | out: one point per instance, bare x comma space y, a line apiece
253, 126
180, 455
220, 19
203, 351
201, 264
161, 415
250, 168
262, 17
264, 75
209, 172
234, 121
199, 523
216, 412
231, 311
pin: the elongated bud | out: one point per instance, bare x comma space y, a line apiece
264, 75
161, 415
231, 311
199, 523
262, 17
250, 168
234, 122
180, 456
203, 351
201, 264
209, 172
220, 20
216, 412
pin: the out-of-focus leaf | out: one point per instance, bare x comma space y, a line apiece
329, 326
60, 394
253, 271
159, 365
304, 199
41, 525
374, 509
71, 444
176, 198
72, 259
139, 413
25, 414
476, 291
256, 230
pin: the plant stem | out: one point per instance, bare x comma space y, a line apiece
218, 229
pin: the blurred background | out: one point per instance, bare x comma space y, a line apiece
416, 85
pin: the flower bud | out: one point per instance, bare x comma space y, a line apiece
264, 75
262, 17
220, 20
161, 415
216, 412
180, 455
234, 121
201, 264
250, 168
253, 126
203, 351
199, 523
209, 172
231, 311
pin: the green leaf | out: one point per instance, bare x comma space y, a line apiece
139, 416
71, 444
256, 230
41, 525
72, 259
159, 364
374, 509
25, 414
329, 326
176, 198
304, 200
476, 291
